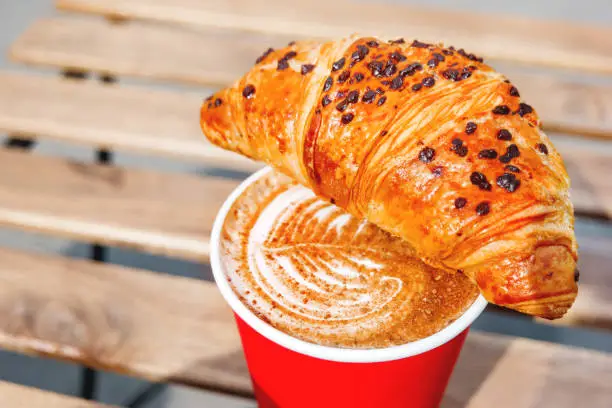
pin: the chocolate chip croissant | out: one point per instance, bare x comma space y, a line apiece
427, 142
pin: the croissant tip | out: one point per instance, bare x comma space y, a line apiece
549, 308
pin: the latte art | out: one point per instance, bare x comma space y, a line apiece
314, 271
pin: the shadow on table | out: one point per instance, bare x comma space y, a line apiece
475, 364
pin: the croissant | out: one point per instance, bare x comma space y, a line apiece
428, 143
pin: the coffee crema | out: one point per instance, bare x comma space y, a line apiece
317, 273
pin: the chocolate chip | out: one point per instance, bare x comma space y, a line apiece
397, 57
451, 74
576, 275
487, 154
480, 180
326, 100
458, 147
341, 107
390, 69
307, 68
465, 74
372, 44
460, 202
542, 148
359, 77
427, 154
264, 55
428, 82
418, 44
508, 182
501, 110
511, 152
381, 101
437, 171
524, 109
438, 56
398, 41
376, 67
447, 52
470, 128
289, 55
512, 168
461, 151
343, 77
338, 64
384, 132
380, 91
368, 96
397, 82
514, 91
360, 54
282, 65
504, 134
475, 58
411, 69
353, 96
218, 102
340, 94
248, 91
417, 87
483, 208
347, 118
432, 63
328, 84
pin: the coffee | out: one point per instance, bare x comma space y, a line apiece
317, 273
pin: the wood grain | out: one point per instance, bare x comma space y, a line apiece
587, 166
168, 214
175, 329
219, 57
127, 118
504, 37
206, 57
504, 372
18, 396
151, 325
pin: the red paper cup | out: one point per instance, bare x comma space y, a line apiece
292, 373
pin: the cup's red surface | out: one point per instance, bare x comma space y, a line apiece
283, 378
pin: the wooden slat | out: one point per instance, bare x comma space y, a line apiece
515, 38
168, 214
152, 51
18, 396
591, 189
155, 326
128, 118
220, 57
175, 329
498, 371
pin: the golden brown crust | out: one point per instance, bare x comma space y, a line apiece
427, 142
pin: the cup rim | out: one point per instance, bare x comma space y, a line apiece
346, 355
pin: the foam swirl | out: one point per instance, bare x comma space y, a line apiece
314, 271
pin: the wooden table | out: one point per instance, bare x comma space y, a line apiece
171, 329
